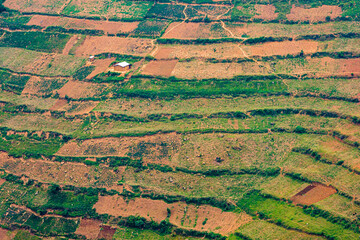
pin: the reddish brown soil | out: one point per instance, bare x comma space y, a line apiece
2, 181
314, 14
80, 108
351, 65
74, 23
193, 30
94, 45
101, 65
160, 68
69, 45
31, 86
79, 89
283, 48
4, 234
313, 193
59, 104
164, 53
89, 228
266, 12
46, 6
107, 232
182, 214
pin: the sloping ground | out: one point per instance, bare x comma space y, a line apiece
181, 214
94, 45
312, 194
74, 23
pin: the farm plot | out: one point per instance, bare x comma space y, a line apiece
254, 11
150, 28
74, 23
181, 214
193, 30
209, 11
317, 66
43, 6
42, 86
314, 14
77, 89
38, 41
160, 68
94, 45
21, 60
313, 194
108, 9
173, 11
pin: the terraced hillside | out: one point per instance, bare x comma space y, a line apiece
237, 120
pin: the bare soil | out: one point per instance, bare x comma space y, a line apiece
108, 27
193, 30
160, 68
101, 65
79, 89
4, 234
31, 86
69, 45
282, 48
2, 181
89, 228
219, 51
46, 6
265, 12
60, 103
314, 14
182, 214
107, 232
94, 45
313, 193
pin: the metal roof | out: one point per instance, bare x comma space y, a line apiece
122, 64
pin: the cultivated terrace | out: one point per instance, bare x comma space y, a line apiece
188, 119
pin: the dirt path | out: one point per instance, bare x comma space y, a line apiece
69, 45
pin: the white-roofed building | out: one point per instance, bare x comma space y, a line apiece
122, 66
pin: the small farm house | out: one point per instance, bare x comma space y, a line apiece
91, 58
121, 67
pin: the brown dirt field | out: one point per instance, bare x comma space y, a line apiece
160, 68
60, 103
107, 232
282, 48
80, 108
78, 89
164, 52
192, 30
89, 228
71, 173
314, 14
31, 86
69, 45
2, 181
47, 6
313, 193
266, 12
219, 51
4, 234
94, 45
73, 23
101, 65
350, 65
218, 221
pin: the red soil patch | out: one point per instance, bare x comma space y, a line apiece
266, 12
94, 45
164, 53
2, 181
192, 30
160, 68
101, 65
4, 234
77, 89
182, 214
31, 86
59, 104
107, 232
313, 193
314, 14
283, 48
89, 228
69, 45
351, 65
74, 23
